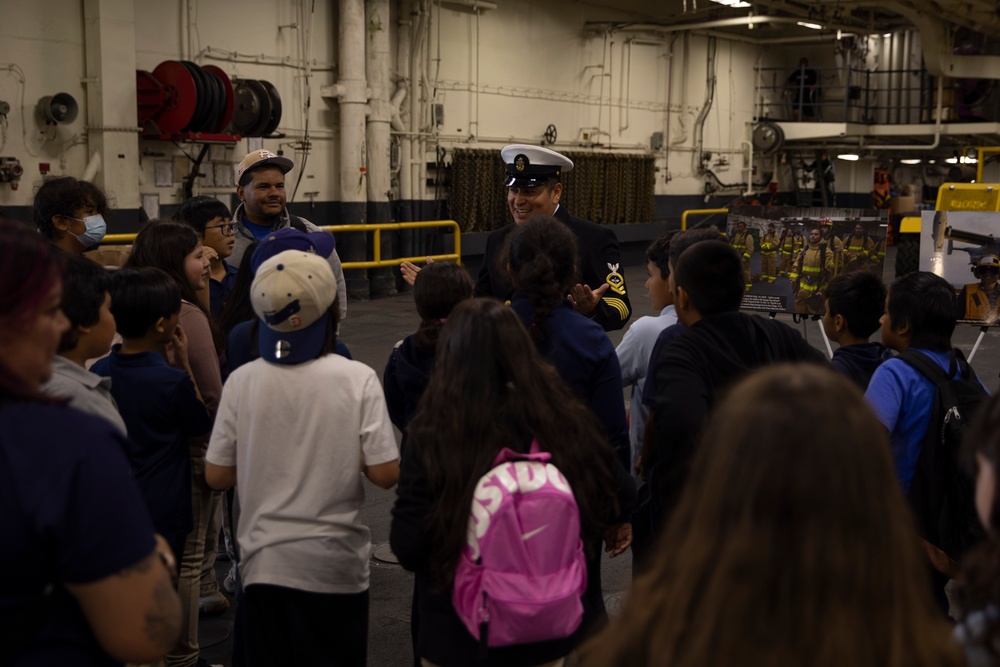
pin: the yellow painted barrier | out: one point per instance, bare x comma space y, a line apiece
699, 211
374, 228
910, 225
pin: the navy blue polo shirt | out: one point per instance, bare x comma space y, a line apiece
218, 290
69, 512
161, 411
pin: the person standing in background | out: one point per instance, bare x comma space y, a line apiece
260, 188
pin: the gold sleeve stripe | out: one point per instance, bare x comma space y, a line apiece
618, 305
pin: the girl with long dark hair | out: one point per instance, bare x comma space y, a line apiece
791, 545
489, 390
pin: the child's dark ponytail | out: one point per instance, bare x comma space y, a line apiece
542, 259
439, 287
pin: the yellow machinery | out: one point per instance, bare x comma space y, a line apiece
976, 196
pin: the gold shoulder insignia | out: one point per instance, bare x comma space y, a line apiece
615, 280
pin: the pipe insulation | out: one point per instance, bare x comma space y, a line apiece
353, 103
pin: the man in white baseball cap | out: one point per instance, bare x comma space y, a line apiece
260, 186
534, 188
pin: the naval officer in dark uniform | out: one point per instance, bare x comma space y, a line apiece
534, 188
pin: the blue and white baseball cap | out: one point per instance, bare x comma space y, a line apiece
292, 294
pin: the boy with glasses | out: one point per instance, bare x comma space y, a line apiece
213, 222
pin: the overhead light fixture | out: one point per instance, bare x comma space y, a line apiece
814, 26
952, 160
887, 34
969, 160
849, 157
910, 161
737, 4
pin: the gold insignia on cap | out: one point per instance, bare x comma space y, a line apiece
521, 162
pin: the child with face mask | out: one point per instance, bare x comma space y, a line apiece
71, 213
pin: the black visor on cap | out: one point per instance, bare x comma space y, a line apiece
533, 181
523, 174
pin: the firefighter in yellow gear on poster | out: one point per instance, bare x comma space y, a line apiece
811, 274
743, 242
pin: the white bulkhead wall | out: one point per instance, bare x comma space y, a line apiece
502, 76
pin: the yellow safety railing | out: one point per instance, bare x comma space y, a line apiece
699, 211
376, 229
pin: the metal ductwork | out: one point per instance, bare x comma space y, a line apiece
938, 48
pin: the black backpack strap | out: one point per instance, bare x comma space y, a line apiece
296, 223
927, 367
959, 362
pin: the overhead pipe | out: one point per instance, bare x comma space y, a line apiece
475, 5
605, 26
755, 41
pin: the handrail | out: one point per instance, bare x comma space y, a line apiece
376, 228
699, 211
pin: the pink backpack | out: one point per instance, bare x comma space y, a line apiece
522, 573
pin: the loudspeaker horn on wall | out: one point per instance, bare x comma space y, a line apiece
57, 109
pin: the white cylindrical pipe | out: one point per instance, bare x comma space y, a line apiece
417, 44
379, 109
93, 167
404, 33
353, 104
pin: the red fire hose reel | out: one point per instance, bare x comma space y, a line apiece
180, 100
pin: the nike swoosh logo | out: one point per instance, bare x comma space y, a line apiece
527, 536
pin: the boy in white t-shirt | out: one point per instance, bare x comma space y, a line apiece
295, 431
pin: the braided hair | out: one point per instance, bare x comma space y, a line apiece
541, 257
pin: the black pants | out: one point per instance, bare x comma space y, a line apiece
285, 626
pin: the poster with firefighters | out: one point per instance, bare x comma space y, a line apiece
960, 247
791, 254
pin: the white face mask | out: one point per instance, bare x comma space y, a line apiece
96, 228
